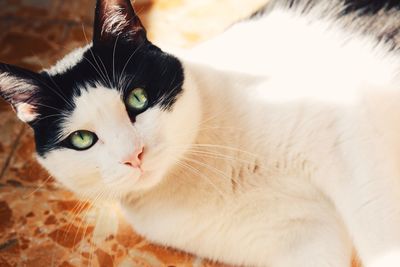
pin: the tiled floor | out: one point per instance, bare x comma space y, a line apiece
41, 224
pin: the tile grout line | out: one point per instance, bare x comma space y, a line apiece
11, 155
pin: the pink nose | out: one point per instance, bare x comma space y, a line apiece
135, 159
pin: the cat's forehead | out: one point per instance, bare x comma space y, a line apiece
97, 65
117, 66
96, 108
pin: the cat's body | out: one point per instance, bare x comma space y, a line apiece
280, 149
305, 121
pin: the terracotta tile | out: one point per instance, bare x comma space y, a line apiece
20, 214
28, 228
44, 254
23, 169
5, 216
10, 128
51, 220
4, 26
104, 259
169, 257
69, 236
48, 42
32, 9
83, 11
10, 253
14, 51
126, 237
214, 264
76, 36
77, 10
66, 264
26, 237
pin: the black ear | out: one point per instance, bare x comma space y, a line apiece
19, 87
115, 18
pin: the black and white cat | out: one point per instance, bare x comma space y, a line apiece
275, 144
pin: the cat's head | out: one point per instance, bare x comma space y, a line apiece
112, 117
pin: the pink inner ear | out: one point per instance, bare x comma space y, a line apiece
26, 112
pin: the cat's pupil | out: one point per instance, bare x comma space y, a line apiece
137, 99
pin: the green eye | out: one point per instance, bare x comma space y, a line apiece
82, 140
137, 99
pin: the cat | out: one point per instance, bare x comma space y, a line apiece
274, 144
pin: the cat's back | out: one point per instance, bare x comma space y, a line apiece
326, 48
313, 59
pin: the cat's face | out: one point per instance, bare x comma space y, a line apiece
111, 118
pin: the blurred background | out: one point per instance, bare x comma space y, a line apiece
42, 224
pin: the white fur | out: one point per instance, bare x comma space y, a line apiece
69, 60
287, 144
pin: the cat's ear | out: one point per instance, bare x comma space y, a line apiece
115, 18
19, 87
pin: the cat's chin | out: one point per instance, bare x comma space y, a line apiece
146, 181
130, 184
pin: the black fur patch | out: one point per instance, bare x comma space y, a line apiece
145, 66
370, 6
